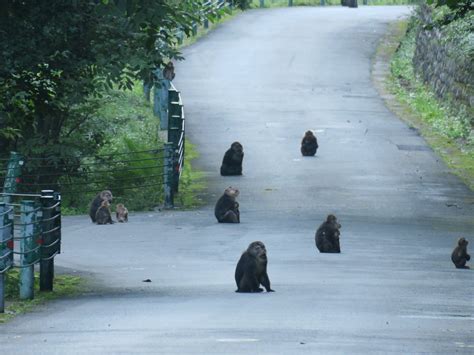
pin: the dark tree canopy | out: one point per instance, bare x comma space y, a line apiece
59, 56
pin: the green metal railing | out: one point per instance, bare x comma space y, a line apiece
30, 234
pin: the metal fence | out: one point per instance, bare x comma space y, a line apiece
30, 234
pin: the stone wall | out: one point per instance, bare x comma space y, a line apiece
444, 59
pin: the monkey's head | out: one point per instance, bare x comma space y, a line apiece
258, 250
232, 192
106, 195
237, 147
168, 71
463, 242
105, 203
309, 134
120, 206
333, 220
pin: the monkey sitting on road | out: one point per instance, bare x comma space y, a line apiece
232, 162
251, 270
227, 208
105, 195
309, 144
460, 255
327, 236
121, 213
103, 215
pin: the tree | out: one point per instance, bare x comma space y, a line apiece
58, 56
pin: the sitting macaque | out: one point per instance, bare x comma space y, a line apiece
103, 215
251, 270
327, 236
309, 144
459, 255
121, 213
232, 162
227, 208
96, 203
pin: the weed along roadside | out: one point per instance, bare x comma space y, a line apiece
446, 129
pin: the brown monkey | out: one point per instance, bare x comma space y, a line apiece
327, 236
121, 213
251, 270
227, 208
309, 144
95, 204
460, 255
168, 71
103, 215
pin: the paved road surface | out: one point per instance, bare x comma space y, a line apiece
263, 79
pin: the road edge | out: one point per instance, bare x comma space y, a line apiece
380, 76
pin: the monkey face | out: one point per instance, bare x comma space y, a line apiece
105, 203
106, 195
463, 242
333, 220
308, 134
237, 148
232, 192
258, 250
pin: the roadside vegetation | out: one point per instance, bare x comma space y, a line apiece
77, 112
282, 3
64, 286
446, 123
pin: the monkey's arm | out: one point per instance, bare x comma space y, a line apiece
468, 257
265, 281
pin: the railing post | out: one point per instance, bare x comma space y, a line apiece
174, 115
6, 248
290, 2
352, 3
365, 2
160, 102
147, 90
168, 175
28, 248
262, 3
323, 2
194, 29
47, 238
13, 174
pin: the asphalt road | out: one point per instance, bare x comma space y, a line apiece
263, 79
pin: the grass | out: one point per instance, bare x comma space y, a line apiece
64, 286
443, 129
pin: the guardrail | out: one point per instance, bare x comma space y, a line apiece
175, 148
30, 234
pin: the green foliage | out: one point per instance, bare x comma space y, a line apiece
440, 115
450, 10
191, 182
134, 178
243, 4
462, 5
58, 57
281, 3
